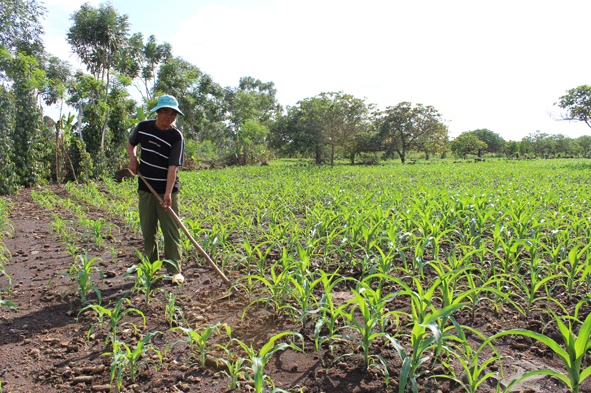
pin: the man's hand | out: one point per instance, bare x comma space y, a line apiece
167, 201
134, 165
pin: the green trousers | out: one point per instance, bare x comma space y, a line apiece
151, 213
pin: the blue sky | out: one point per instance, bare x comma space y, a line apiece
498, 65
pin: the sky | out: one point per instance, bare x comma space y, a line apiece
498, 65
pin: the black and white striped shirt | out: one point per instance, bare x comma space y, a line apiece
160, 149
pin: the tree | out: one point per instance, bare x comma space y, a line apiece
562, 145
141, 62
291, 133
97, 37
435, 142
467, 143
584, 143
540, 143
200, 99
511, 148
406, 127
8, 177
253, 100
28, 144
577, 103
494, 142
20, 24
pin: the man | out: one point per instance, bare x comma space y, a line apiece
162, 146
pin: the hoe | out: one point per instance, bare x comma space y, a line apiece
182, 226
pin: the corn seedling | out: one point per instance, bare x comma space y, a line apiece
421, 342
258, 360
112, 318
473, 369
234, 365
128, 360
572, 355
172, 312
80, 273
197, 341
146, 275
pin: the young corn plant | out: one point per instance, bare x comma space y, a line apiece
275, 290
197, 341
329, 312
173, 313
112, 318
572, 355
426, 336
366, 328
146, 275
302, 292
128, 360
80, 273
234, 364
472, 368
575, 268
258, 360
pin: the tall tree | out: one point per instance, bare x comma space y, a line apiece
584, 143
252, 100
141, 61
28, 144
494, 142
20, 24
467, 143
577, 103
406, 127
8, 177
97, 37
541, 143
291, 134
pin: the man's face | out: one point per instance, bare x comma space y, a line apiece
166, 116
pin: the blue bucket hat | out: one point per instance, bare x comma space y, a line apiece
168, 102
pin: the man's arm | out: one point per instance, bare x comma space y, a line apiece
170, 180
133, 164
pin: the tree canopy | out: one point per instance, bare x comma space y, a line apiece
577, 103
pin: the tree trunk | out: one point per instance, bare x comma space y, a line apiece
318, 155
331, 155
426, 156
57, 162
103, 138
402, 155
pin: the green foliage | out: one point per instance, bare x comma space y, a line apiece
114, 318
467, 143
572, 355
577, 103
258, 360
146, 275
20, 24
80, 273
405, 127
97, 36
8, 177
127, 359
198, 341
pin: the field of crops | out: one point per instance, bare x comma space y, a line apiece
441, 276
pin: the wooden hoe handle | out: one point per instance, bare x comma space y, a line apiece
197, 246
